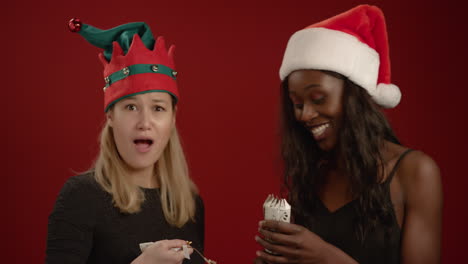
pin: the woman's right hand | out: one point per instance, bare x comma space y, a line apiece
162, 252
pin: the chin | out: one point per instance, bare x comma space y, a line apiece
326, 146
141, 164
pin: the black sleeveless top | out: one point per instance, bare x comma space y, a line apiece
381, 245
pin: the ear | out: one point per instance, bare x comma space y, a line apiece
110, 118
174, 115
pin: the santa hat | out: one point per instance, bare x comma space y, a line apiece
134, 63
353, 44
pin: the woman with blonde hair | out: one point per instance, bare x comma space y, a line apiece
139, 190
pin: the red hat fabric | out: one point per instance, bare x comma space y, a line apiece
134, 62
137, 79
354, 44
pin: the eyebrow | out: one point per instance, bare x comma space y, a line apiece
310, 86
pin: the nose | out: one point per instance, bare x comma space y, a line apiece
308, 113
144, 120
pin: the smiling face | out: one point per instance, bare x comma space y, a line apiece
142, 125
317, 99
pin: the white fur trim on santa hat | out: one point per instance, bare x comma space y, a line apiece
333, 50
386, 95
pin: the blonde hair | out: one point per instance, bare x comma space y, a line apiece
176, 188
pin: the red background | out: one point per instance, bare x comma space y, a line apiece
228, 56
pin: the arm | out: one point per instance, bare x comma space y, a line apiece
69, 237
422, 186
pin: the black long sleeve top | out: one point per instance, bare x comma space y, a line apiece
85, 226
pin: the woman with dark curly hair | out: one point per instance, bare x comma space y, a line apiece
358, 195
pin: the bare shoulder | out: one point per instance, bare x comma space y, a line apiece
418, 166
419, 174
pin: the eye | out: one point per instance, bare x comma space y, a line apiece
131, 107
318, 100
298, 106
159, 109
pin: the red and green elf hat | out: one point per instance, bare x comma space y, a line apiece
134, 62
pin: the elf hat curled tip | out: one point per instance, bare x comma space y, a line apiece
74, 25
134, 62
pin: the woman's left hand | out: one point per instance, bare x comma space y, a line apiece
294, 243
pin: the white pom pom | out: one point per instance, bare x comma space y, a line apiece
387, 95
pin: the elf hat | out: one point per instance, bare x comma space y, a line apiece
353, 44
134, 63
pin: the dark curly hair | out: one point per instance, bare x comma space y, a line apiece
363, 132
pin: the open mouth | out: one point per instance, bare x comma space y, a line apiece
318, 131
143, 145
148, 142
